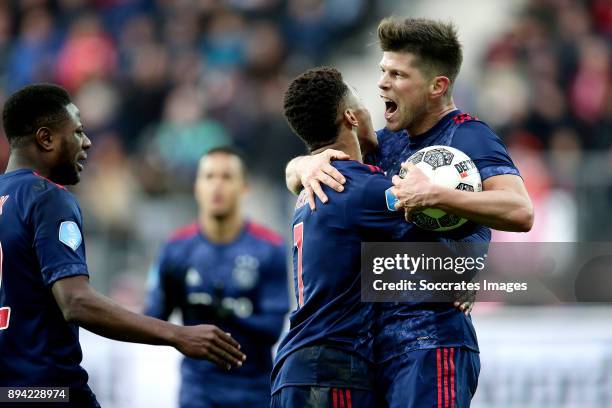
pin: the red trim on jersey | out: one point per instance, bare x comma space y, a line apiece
439, 371
349, 404
335, 397
452, 378
374, 169
342, 398
185, 232
261, 232
463, 117
52, 182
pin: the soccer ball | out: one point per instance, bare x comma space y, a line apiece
448, 167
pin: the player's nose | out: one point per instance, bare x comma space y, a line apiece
383, 83
86, 142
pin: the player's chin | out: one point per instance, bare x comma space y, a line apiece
393, 125
68, 178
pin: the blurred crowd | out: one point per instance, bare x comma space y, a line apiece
546, 88
159, 82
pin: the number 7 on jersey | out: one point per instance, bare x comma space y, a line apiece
298, 241
5, 312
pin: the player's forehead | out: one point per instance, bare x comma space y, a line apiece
218, 162
397, 60
74, 115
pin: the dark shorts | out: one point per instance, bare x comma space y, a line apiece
430, 378
322, 397
321, 376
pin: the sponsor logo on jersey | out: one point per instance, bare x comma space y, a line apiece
193, 278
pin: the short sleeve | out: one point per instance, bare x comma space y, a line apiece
58, 238
372, 214
164, 290
485, 148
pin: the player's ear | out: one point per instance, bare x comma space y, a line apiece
438, 87
350, 118
45, 138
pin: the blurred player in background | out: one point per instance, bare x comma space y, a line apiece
44, 282
326, 358
228, 271
427, 354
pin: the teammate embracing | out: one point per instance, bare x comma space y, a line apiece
427, 355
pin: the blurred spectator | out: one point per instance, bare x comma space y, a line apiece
87, 54
34, 51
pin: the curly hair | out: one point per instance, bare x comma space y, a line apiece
33, 107
435, 43
311, 105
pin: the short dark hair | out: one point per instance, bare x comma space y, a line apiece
33, 107
434, 43
230, 151
311, 105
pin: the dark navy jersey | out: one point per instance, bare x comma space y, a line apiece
326, 266
41, 242
403, 327
241, 287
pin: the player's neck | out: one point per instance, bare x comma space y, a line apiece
221, 230
431, 118
18, 161
347, 143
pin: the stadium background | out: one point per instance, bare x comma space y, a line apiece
160, 82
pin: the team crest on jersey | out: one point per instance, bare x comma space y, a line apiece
192, 278
3, 200
302, 200
70, 235
246, 271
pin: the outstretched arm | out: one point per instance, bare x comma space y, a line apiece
504, 203
82, 305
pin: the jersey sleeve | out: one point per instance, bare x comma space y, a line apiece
372, 213
58, 240
485, 148
162, 287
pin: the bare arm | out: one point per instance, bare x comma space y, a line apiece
309, 171
82, 305
503, 205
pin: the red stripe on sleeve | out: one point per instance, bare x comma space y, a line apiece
452, 376
439, 371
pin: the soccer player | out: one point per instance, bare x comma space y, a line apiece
427, 354
227, 271
325, 358
45, 293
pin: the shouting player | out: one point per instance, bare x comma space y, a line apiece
325, 359
45, 293
427, 354
227, 271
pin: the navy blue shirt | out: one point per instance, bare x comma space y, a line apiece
326, 266
404, 327
41, 242
241, 287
